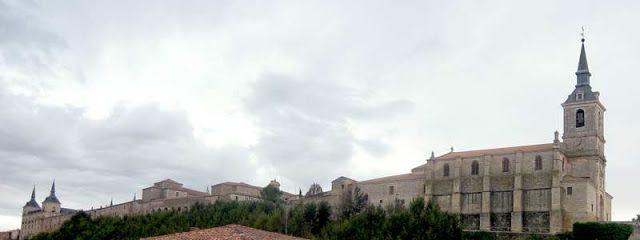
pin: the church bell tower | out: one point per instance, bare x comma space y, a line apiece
583, 147
583, 116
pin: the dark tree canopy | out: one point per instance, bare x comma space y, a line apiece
314, 189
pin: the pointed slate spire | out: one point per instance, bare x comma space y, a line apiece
53, 188
583, 73
33, 193
52, 195
32, 203
582, 91
111, 203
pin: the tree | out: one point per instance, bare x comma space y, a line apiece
353, 202
271, 193
314, 189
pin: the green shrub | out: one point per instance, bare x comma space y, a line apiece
478, 235
601, 231
565, 236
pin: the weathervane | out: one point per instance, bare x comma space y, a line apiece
582, 33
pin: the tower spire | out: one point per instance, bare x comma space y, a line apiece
52, 195
582, 91
32, 203
583, 73
53, 188
33, 193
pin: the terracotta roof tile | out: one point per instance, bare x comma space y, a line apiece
401, 177
228, 232
238, 184
498, 151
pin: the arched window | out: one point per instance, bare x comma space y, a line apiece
475, 168
505, 165
446, 170
580, 118
538, 162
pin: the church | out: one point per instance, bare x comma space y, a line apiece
542, 188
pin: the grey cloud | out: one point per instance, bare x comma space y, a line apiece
304, 125
24, 44
92, 159
375, 147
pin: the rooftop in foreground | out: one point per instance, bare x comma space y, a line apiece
231, 231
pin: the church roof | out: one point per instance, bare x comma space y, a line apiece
497, 151
395, 178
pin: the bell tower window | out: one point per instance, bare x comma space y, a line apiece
580, 118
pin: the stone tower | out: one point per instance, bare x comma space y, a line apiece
31, 205
583, 143
51, 204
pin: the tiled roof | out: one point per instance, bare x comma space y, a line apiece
193, 192
238, 184
343, 178
232, 231
169, 180
498, 151
395, 178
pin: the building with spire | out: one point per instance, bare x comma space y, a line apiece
163, 196
47, 218
542, 188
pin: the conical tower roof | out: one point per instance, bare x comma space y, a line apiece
52, 195
32, 203
582, 91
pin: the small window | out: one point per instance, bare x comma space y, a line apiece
538, 162
236, 198
380, 201
446, 170
580, 118
475, 168
342, 186
391, 190
579, 96
569, 190
505, 165
177, 193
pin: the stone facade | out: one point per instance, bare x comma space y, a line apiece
542, 188
10, 235
166, 195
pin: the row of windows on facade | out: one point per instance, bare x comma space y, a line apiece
169, 209
475, 166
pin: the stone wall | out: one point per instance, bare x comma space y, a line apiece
388, 192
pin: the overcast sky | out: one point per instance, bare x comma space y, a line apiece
107, 97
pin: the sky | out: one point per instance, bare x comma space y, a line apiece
108, 97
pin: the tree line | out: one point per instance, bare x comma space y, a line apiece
353, 219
